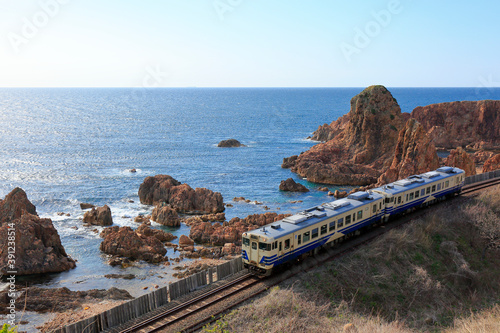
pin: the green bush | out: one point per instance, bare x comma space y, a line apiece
6, 328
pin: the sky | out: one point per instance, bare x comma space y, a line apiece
249, 43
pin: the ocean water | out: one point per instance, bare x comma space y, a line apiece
64, 146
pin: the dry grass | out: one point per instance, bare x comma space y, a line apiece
291, 311
418, 278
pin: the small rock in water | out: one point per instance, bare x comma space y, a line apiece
86, 205
133, 170
144, 288
229, 205
130, 201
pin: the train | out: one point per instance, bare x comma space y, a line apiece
295, 237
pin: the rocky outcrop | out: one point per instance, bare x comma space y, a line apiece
98, 216
162, 236
362, 143
231, 143
59, 299
217, 234
185, 241
327, 132
84, 206
166, 215
289, 162
38, 247
163, 189
125, 242
290, 185
492, 163
414, 154
219, 217
471, 124
460, 159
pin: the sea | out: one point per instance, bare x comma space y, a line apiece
65, 146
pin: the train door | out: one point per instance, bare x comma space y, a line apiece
254, 249
285, 246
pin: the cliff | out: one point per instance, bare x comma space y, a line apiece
471, 124
362, 142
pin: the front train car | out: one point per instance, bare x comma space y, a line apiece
304, 233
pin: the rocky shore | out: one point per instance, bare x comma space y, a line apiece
376, 143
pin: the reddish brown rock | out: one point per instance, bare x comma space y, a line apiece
492, 163
460, 159
217, 234
290, 185
59, 299
288, 162
84, 206
98, 216
124, 242
219, 217
14, 205
475, 124
142, 219
414, 154
185, 241
165, 189
162, 236
38, 247
166, 215
327, 132
363, 142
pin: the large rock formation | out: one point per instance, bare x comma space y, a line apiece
230, 232
414, 154
125, 242
162, 236
475, 124
38, 247
290, 185
165, 189
98, 216
460, 159
361, 144
492, 163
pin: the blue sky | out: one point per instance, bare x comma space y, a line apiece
249, 43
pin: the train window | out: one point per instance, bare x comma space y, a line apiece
360, 215
307, 235
314, 233
411, 196
254, 245
439, 187
458, 180
392, 199
340, 222
447, 183
287, 244
262, 246
299, 239
269, 247
380, 205
433, 188
428, 190
347, 219
276, 245
280, 247
387, 200
324, 229
332, 226
417, 194
374, 208
246, 241
407, 197
399, 199
422, 193
354, 217
273, 247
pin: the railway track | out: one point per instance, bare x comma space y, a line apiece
216, 302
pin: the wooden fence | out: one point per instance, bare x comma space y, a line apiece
149, 302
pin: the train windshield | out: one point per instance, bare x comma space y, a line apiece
264, 246
246, 241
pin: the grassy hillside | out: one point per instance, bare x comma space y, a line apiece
437, 273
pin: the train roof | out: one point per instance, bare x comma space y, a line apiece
316, 214
415, 181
